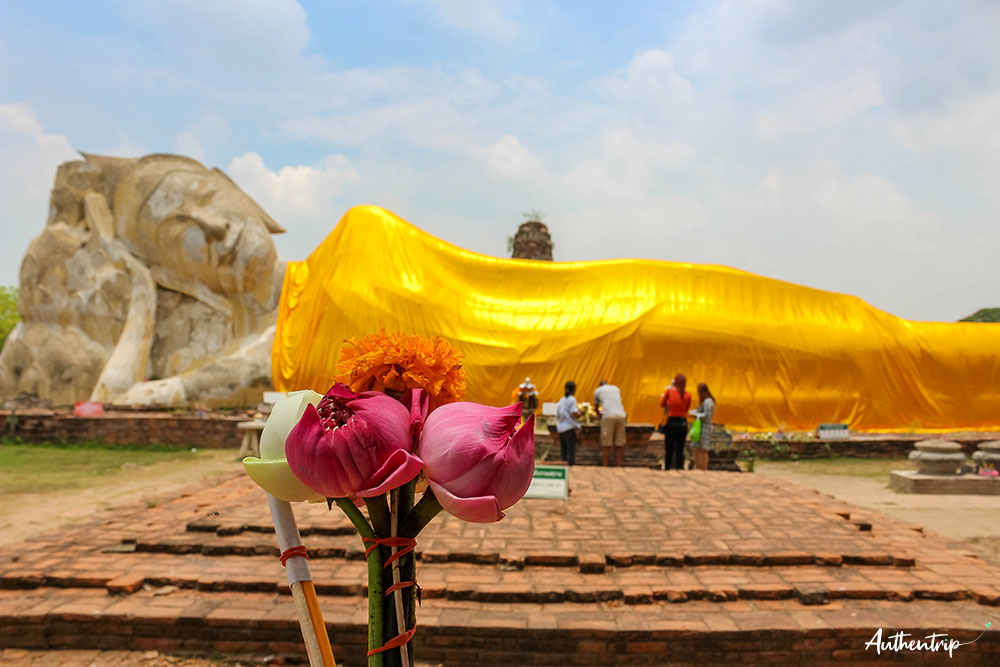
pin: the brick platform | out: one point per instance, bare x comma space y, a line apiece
638, 567
865, 446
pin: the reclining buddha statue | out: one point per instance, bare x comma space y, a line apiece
154, 281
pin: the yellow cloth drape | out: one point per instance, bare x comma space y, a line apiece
776, 355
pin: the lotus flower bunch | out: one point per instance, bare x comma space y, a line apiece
356, 448
360, 445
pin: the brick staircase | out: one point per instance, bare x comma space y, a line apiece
638, 567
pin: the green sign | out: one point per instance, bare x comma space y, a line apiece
549, 481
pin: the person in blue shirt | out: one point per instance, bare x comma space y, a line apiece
567, 412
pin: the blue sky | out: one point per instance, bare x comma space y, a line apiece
850, 146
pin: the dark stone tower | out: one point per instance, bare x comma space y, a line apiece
532, 241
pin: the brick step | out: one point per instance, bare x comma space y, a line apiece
347, 547
337, 525
493, 583
495, 635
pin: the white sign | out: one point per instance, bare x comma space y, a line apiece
549, 409
273, 397
833, 432
549, 481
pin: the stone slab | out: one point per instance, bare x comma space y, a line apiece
909, 481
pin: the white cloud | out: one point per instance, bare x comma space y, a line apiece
426, 121
968, 132
30, 155
241, 36
969, 125
209, 129
189, 145
125, 147
482, 17
27, 171
851, 146
817, 108
508, 157
858, 235
293, 191
418, 106
651, 84
623, 146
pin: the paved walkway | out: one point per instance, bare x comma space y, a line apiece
637, 564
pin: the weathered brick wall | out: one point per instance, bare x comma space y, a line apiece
865, 449
219, 431
211, 431
639, 451
184, 632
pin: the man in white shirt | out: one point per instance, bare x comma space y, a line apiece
608, 403
567, 412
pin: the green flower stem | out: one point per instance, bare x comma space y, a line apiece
378, 512
426, 509
376, 588
406, 500
407, 563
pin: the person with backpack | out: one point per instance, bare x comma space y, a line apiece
675, 403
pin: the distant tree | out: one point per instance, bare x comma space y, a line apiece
534, 215
983, 315
9, 316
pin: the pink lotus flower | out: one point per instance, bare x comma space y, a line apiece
353, 445
476, 460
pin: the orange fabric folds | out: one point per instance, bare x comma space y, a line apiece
776, 355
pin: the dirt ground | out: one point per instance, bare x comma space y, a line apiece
21, 658
25, 514
969, 519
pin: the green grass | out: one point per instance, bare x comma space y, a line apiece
38, 468
849, 467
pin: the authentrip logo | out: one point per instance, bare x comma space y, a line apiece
904, 641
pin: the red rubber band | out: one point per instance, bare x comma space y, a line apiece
396, 641
405, 546
292, 552
408, 544
401, 585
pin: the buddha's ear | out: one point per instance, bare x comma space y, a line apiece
272, 226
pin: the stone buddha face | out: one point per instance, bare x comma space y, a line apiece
196, 223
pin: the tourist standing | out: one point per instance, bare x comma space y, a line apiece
705, 411
675, 403
608, 403
567, 412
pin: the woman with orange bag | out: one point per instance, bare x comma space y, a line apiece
675, 403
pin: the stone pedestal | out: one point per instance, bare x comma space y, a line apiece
988, 455
722, 454
938, 457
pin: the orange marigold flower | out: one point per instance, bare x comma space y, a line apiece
396, 362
